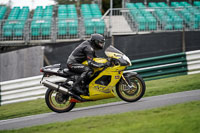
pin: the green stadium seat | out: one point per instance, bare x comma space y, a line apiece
152, 23
140, 5
175, 4
185, 4
16, 21
162, 4
35, 29
144, 19
167, 22
2, 11
100, 27
141, 21
178, 23
46, 29
41, 24
168, 27
67, 20
7, 30
62, 16
90, 13
73, 28
62, 27
89, 27
196, 3
152, 4
195, 24
18, 30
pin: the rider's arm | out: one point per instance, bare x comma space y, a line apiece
90, 53
95, 56
95, 64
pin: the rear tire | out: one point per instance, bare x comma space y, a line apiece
58, 102
133, 94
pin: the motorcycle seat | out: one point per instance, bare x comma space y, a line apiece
53, 66
68, 72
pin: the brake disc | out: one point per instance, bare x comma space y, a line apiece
131, 91
61, 98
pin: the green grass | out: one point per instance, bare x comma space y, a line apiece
154, 87
180, 118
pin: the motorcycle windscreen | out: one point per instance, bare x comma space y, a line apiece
112, 52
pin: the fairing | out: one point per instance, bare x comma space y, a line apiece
112, 52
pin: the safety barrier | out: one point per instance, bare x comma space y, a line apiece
161, 66
25, 89
193, 61
149, 68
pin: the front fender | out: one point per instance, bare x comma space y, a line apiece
128, 74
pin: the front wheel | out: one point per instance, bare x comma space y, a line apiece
58, 102
133, 93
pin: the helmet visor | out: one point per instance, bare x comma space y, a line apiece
102, 44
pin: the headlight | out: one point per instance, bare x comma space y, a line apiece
127, 59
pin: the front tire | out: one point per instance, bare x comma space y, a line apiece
58, 102
131, 94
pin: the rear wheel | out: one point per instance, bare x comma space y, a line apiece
133, 93
58, 102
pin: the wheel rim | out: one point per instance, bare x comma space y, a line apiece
131, 93
59, 101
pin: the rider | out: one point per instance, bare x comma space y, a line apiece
85, 51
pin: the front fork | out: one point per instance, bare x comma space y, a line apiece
127, 81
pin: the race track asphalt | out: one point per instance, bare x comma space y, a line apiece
104, 109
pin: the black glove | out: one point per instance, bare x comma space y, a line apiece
107, 64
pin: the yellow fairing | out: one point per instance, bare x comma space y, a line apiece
98, 91
113, 55
98, 60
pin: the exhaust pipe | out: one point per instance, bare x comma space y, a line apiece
61, 89
55, 87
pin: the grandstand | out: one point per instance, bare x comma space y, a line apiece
15, 23
67, 23
70, 23
2, 12
160, 16
42, 22
91, 16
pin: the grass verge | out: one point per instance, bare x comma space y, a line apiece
184, 118
154, 87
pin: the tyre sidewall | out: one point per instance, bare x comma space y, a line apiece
48, 92
139, 97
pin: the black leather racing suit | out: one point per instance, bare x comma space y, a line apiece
85, 51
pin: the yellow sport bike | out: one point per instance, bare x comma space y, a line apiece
106, 82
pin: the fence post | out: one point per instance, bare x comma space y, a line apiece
112, 40
183, 40
0, 94
111, 14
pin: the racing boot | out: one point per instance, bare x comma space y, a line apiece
77, 89
76, 85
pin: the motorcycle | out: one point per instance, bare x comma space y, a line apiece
106, 82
